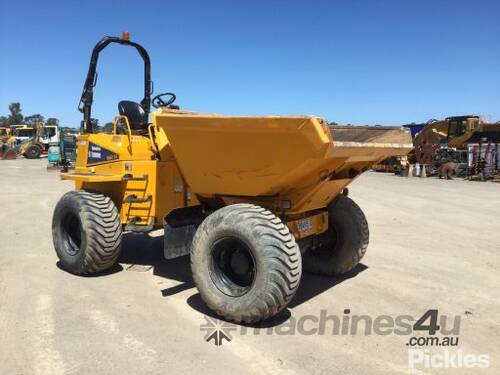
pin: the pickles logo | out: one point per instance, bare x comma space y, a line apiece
98, 154
217, 330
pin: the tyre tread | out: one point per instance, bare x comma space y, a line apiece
282, 256
100, 220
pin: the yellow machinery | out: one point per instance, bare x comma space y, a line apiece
32, 148
4, 132
6, 142
449, 135
16, 140
29, 141
22, 132
251, 199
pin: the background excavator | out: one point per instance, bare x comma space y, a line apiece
445, 141
449, 137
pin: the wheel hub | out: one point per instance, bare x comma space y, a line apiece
240, 264
72, 230
233, 266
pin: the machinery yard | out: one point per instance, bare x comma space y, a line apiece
433, 245
250, 188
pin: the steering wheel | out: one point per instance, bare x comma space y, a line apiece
158, 101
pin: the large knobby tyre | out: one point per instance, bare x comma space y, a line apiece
345, 242
33, 152
245, 263
87, 232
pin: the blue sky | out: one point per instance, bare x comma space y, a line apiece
359, 62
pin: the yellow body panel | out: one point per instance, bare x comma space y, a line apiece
242, 156
133, 171
91, 177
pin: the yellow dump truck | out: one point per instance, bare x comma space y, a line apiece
252, 200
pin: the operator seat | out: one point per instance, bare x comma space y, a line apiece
136, 115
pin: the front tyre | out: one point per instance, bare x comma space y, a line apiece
345, 242
87, 232
245, 263
33, 152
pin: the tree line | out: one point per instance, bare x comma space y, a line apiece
15, 117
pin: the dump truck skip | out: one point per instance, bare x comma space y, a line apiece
252, 200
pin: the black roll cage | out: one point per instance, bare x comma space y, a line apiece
85, 105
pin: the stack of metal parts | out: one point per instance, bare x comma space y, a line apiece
484, 160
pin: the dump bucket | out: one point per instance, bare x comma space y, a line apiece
265, 156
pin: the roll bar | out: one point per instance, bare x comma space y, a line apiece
85, 105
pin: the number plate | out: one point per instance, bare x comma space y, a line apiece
305, 225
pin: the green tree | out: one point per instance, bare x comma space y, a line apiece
52, 121
108, 127
34, 119
15, 116
95, 125
4, 122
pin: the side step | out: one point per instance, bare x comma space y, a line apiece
132, 198
132, 225
129, 177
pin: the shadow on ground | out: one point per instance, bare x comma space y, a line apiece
116, 268
144, 250
141, 249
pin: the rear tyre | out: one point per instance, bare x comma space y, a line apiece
87, 232
341, 248
245, 263
33, 152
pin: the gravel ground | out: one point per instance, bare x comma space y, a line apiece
433, 245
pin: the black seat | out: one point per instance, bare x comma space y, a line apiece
136, 115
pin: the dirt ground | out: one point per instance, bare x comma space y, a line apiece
433, 245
